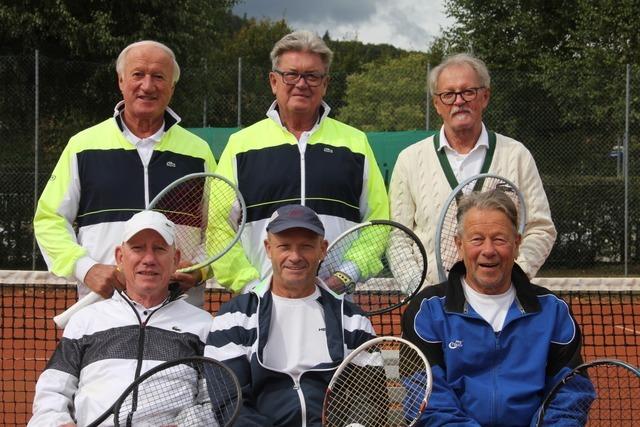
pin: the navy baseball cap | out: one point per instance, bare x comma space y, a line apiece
295, 216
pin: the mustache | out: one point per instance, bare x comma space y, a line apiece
462, 109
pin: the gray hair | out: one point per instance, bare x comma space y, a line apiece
122, 58
301, 41
496, 200
460, 59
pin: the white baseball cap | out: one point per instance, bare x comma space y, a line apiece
149, 220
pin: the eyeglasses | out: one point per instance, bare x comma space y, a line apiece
469, 94
292, 77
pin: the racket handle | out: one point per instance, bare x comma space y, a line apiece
62, 319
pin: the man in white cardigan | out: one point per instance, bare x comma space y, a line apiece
426, 172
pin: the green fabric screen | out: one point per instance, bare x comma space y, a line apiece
385, 145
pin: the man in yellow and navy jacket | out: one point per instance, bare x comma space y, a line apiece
112, 170
298, 155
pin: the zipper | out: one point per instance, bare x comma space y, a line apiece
141, 337
303, 406
146, 186
303, 170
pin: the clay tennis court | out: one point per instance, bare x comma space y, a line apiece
609, 316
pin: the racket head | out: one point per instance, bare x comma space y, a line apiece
446, 251
607, 392
191, 391
384, 382
209, 213
386, 261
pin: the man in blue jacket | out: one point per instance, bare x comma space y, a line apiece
496, 342
286, 337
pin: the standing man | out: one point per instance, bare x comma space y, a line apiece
427, 171
112, 170
496, 342
286, 337
298, 155
106, 345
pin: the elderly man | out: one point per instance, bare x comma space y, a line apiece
496, 342
286, 337
426, 172
107, 345
114, 169
298, 155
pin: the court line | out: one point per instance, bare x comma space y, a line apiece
627, 329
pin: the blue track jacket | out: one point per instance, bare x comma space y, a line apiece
484, 378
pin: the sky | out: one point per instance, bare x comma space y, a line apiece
407, 24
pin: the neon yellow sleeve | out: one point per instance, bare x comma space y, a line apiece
233, 270
54, 216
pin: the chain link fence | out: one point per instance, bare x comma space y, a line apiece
578, 146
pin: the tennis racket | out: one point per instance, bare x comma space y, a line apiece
385, 382
193, 391
379, 264
209, 213
603, 392
446, 251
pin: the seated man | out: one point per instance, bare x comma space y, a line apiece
107, 345
496, 342
287, 336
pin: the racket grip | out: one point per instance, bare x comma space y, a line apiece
62, 319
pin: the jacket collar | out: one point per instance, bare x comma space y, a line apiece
170, 117
455, 300
274, 115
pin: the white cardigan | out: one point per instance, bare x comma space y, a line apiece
419, 189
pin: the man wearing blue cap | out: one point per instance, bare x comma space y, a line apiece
286, 337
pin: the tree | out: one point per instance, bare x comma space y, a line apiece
387, 96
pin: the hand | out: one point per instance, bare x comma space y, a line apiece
186, 281
336, 285
103, 279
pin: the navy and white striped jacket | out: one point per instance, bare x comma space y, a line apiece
239, 335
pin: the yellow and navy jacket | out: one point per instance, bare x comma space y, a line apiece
98, 183
332, 170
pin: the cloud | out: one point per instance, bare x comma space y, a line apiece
408, 24
309, 12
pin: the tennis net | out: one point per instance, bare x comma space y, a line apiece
607, 309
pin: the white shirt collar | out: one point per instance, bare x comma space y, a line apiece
274, 115
119, 109
483, 140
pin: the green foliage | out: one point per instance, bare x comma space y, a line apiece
387, 96
590, 220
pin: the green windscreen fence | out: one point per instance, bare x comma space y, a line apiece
385, 145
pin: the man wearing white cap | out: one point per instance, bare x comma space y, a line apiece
106, 345
286, 337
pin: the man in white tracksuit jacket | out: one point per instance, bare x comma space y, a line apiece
107, 345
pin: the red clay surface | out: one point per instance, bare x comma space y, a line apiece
610, 324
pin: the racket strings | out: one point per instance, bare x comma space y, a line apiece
193, 394
617, 392
449, 225
383, 262
601, 395
207, 212
384, 385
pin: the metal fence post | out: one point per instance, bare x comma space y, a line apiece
625, 169
428, 109
204, 98
36, 169
239, 91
